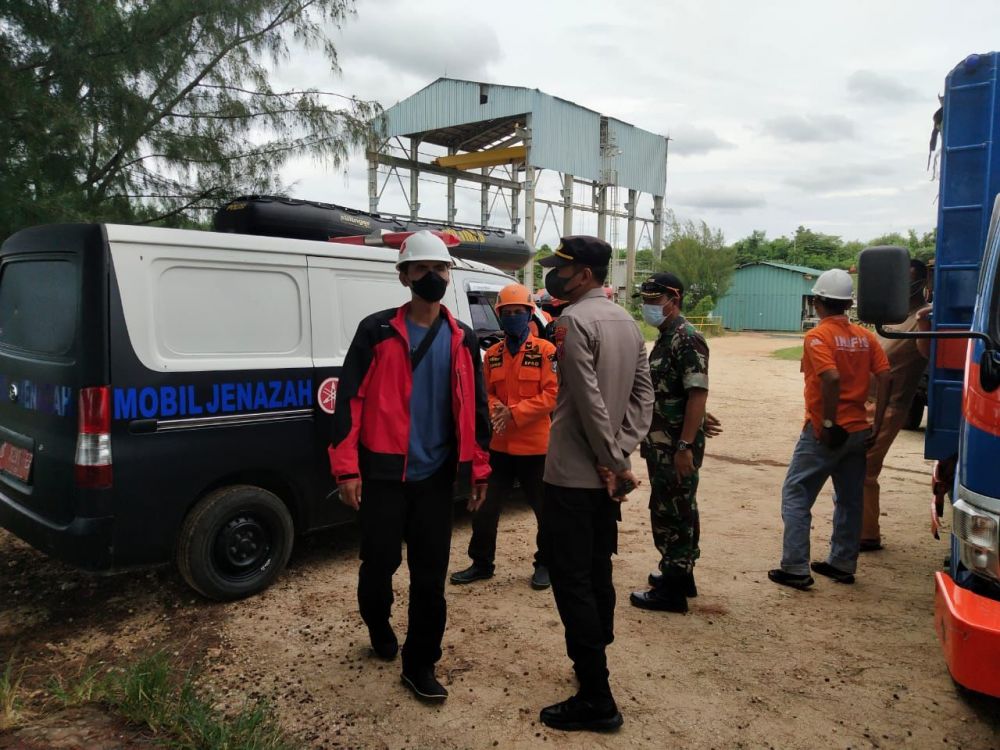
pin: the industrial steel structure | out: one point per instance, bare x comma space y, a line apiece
508, 135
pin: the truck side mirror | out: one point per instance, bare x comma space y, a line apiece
884, 284
989, 370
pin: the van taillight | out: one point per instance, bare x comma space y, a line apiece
93, 440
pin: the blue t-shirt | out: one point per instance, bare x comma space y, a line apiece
432, 426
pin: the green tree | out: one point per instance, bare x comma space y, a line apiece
698, 255
149, 110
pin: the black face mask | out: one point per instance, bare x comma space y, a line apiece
430, 287
556, 284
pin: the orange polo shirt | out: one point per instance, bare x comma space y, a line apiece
527, 384
855, 353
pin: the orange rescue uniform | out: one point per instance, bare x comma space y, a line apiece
526, 383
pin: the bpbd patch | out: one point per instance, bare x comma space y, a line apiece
533, 359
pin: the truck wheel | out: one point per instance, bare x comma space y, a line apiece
235, 542
916, 413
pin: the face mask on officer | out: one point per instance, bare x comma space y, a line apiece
557, 285
653, 315
430, 286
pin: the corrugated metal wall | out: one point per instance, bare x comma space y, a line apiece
764, 298
448, 102
565, 136
641, 157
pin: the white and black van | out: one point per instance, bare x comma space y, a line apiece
167, 394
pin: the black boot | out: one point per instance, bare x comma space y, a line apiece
660, 599
582, 714
422, 682
686, 582
474, 572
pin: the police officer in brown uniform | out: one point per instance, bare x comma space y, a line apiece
603, 411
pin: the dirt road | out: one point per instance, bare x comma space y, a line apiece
753, 665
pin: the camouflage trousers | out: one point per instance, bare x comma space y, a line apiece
673, 513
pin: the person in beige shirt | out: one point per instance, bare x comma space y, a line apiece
603, 411
907, 362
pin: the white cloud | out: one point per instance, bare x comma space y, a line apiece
692, 141
876, 88
809, 128
719, 199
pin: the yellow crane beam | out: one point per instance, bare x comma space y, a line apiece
476, 159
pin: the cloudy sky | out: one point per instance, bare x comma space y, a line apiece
781, 113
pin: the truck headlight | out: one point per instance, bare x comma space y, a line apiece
978, 533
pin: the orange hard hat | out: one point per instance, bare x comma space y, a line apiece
514, 294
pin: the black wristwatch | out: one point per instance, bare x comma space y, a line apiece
683, 445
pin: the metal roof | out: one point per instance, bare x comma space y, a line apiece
565, 137
805, 270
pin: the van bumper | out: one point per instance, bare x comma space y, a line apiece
968, 626
83, 542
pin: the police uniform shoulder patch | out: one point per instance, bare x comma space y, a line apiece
558, 338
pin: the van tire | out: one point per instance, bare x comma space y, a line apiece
235, 542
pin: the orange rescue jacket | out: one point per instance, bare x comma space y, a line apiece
527, 384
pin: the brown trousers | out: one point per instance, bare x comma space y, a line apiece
892, 423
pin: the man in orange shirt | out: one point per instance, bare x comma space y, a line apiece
838, 362
521, 385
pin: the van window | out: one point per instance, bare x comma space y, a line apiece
38, 305
228, 311
484, 317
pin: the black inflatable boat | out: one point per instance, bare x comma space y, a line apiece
309, 220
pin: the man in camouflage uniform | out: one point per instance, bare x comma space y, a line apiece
675, 445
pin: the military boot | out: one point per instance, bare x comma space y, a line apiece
687, 583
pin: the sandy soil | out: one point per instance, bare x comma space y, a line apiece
753, 665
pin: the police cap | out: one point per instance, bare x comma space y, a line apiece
659, 284
579, 248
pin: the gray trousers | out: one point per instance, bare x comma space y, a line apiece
811, 465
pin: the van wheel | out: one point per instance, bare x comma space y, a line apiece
235, 542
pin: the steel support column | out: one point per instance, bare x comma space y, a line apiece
452, 211
484, 200
372, 183
567, 196
414, 180
658, 226
602, 212
633, 197
529, 223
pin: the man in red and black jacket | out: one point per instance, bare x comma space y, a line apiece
411, 417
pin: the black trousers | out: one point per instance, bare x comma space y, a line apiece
579, 536
506, 468
420, 514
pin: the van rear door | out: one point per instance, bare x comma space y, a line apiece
53, 342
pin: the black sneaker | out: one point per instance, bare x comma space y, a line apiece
472, 573
384, 642
825, 569
540, 578
687, 583
424, 684
580, 714
800, 582
660, 600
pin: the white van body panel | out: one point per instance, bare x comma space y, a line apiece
196, 301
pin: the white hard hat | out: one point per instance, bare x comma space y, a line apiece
423, 245
834, 284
